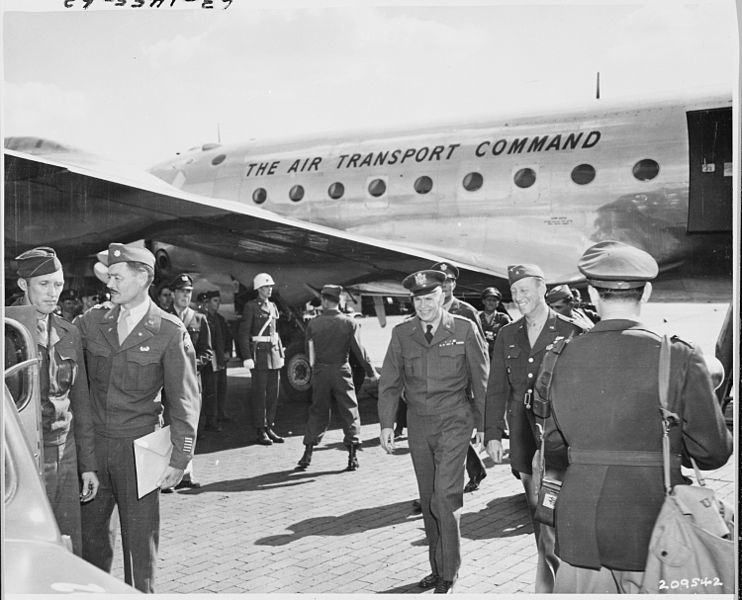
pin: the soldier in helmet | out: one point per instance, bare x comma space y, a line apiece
263, 354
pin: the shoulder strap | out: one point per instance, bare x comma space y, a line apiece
546, 372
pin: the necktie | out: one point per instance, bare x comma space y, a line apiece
429, 333
123, 325
43, 330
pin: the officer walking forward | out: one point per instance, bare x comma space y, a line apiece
330, 338
66, 417
260, 343
435, 358
134, 350
516, 359
605, 409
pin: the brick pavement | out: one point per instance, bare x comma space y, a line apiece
258, 526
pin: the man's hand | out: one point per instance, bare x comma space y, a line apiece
374, 377
170, 477
494, 450
479, 439
248, 363
89, 486
387, 439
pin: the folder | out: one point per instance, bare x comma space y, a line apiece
151, 457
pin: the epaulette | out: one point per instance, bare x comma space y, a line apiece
174, 319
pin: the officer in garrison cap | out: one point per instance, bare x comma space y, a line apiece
261, 345
330, 338
605, 409
474, 465
214, 374
516, 358
134, 351
66, 417
560, 299
435, 359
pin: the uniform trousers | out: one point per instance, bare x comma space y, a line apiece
139, 518
62, 484
333, 383
264, 396
214, 394
438, 445
581, 580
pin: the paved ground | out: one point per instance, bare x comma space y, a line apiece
258, 526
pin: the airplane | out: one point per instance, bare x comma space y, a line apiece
364, 209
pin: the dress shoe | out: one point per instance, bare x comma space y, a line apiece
473, 484
306, 458
166, 490
188, 483
263, 438
416, 506
273, 436
428, 581
444, 586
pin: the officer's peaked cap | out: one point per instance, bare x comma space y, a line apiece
68, 294
518, 272
37, 261
491, 292
117, 253
332, 291
618, 266
449, 270
181, 282
560, 292
424, 282
208, 295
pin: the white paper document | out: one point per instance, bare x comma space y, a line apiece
151, 456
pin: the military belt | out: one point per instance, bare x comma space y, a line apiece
617, 458
261, 338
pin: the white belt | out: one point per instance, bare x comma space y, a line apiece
261, 338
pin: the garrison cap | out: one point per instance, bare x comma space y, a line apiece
617, 266
424, 282
37, 261
181, 282
208, 295
449, 270
117, 253
559, 292
332, 291
68, 295
518, 272
491, 292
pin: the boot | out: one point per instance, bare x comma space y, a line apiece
306, 458
273, 436
352, 458
263, 438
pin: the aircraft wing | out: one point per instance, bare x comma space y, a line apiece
78, 205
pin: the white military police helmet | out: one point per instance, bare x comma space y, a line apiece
262, 279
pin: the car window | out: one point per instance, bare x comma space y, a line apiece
16, 351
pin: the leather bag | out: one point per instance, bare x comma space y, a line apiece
691, 550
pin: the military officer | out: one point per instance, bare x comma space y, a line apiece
561, 300
474, 465
66, 417
134, 350
214, 374
263, 354
435, 359
605, 406
516, 358
330, 339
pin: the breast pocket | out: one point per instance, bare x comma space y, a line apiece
99, 363
413, 364
143, 370
514, 362
452, 357
66, 365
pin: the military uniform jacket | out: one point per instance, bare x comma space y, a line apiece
464, 309
198, 330
605, 399
434, 377
221, 339
515, 366
125, 380
491, 324
264, 348
334, 336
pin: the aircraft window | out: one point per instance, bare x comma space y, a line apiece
646, 169
583, 174
472, 181
219, 159
377, 187
296, 193
525, 178
336, 190
259, 196
423, 184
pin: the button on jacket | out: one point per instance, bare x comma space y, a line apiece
125, 380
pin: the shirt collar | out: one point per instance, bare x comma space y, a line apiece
137, 313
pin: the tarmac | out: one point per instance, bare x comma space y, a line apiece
257, 525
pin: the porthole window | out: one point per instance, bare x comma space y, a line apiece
377, 188
525, 178
583, 174
336, 190
219, 159
259, 196
423, 184
472, 181
646, 169
296, 193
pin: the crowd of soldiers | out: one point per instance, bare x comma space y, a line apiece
458, 379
